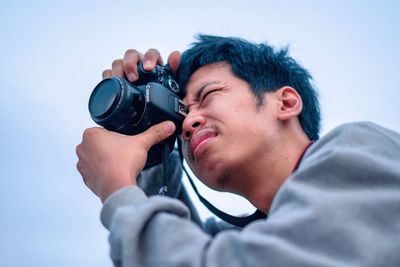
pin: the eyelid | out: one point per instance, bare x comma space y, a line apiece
206, 92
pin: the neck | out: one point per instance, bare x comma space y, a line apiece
268, 172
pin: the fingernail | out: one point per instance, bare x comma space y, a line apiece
131, 77
169, 127
147, 64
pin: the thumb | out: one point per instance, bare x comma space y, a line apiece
173, 61
157, 133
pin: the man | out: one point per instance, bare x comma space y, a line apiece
252, 129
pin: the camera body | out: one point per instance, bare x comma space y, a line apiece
132, 108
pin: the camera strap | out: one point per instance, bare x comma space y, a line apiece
240, 221
165, 152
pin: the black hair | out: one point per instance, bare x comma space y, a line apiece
261, 66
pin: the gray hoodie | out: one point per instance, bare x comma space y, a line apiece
341, 207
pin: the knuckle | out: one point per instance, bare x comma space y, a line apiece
131, 59
87, 133
130, 52
79, 166
81, 169
116, 63
78, 150
149, 139
106, 74
85, 180
144, 140
152, 53
130, 62
159, 135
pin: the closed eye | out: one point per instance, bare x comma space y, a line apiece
207, 94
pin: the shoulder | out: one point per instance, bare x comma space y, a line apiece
354, 157
362, 130
359, 138
345, 184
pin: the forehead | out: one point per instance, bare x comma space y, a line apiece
209, 74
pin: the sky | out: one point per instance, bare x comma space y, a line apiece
52, 54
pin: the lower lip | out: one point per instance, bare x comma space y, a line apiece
200, 147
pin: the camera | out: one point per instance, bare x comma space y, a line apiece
131, 108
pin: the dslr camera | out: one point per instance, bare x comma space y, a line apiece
132, 108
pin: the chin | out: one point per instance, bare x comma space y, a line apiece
213, 171
217, 180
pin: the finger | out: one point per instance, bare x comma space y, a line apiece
117, 68
157, 133
80, 168
152, 58
173, 61
106, 74
130, 62
78, 150
88, 133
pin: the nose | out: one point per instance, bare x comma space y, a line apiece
190, 124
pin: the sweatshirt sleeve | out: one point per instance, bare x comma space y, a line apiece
340, 208
154, 231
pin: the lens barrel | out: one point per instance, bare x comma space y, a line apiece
116, 105
104, 98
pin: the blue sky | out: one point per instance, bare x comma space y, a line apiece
52, 54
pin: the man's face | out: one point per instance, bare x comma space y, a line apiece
225, 132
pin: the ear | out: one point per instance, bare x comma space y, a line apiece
290, 103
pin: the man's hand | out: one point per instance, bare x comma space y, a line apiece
109, 161
127, 67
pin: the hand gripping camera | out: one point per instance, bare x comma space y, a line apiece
132, 108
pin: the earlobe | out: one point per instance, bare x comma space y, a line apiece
290, 103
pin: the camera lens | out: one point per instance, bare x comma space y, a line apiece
104, 98
117, 105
